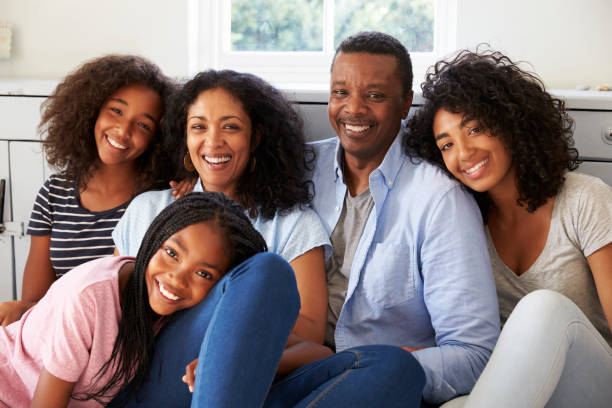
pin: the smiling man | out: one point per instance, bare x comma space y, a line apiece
410, 266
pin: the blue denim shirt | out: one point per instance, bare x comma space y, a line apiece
421, 276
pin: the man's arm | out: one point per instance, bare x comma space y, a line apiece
459, 292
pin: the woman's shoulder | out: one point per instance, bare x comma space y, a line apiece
152, 199
579, 186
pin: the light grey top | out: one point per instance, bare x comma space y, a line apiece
581, 224
344, 238
288, 235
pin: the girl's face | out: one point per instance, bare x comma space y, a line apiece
186, 266
219, 140
126, 124
475, 157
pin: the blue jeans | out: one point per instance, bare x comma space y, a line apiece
366, 376
239, 332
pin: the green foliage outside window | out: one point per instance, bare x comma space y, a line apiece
297, 25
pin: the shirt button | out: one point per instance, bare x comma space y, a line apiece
337, 208
389, 182
338, 172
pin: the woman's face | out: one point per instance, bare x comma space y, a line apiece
186, 266
219, 140
472, 155
126, 124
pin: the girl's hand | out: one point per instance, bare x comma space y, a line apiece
12, 311
189, 377
183, 187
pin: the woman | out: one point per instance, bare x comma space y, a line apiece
494, 128
243, 138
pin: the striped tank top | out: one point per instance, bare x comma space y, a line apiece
77, 234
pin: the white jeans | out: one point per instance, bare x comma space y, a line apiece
548, 355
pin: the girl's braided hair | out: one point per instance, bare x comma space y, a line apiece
131, 356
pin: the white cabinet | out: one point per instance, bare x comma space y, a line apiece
23, 167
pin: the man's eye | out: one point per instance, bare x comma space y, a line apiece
375, 95
339, 92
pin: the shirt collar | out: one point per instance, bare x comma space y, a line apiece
390, 165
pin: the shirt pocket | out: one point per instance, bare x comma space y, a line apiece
389, 279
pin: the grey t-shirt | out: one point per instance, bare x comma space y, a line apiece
344, 239
581, 224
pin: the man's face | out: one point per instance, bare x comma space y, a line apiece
366, 104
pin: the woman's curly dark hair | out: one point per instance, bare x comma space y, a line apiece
69, 116
511, 104
279, 180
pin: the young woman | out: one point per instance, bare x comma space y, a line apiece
101, 127
494, 128
243, 138
93, 334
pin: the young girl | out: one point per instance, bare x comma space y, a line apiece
493, 127
93, 333
102, 128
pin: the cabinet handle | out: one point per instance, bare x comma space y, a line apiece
2, 190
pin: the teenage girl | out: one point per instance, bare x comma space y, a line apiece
494, 128
101, 126
92, 336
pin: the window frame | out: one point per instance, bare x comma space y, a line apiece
209, 32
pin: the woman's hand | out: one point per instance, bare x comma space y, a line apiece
12, 311
189, 377
183, 187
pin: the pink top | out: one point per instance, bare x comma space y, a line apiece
70, 332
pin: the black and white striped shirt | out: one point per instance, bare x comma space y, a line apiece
77, 234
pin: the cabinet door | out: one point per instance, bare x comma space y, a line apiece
6, 240
27, 176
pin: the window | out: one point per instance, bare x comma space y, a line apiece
292, 43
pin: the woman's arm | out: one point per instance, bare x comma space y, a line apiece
300, 352
309, 271
38, 276
600, 263
51, 392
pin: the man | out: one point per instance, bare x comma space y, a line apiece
410, 266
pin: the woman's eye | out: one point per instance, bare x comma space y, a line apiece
116, 110
197, 127
170, 252
205, 275
145, 126
445, 146
230, 126
475, 130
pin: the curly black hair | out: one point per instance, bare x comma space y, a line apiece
69, 116
511, 104
374, 42
279, 181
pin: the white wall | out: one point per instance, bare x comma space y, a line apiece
566, 41
52, 37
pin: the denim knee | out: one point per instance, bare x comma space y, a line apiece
544, 304
393, 362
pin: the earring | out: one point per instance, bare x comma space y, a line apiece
252, 163
188, 163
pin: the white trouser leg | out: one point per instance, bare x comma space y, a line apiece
548, 355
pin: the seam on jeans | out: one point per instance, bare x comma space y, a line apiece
570, 344
338, 380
